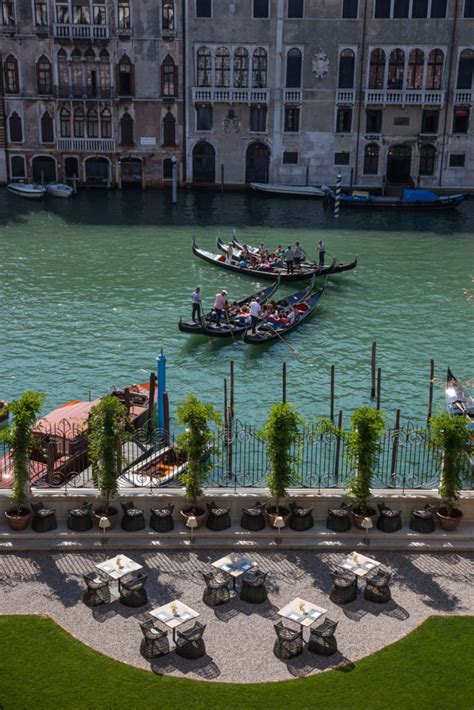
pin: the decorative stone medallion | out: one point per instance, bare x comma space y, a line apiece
320, 64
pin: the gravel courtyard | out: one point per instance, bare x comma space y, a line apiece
239, 637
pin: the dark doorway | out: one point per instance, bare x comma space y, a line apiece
257, 163
71, 168
97, 172
204, 163
44, 169
131, 172
399, 164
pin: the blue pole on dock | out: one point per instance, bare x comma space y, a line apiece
161, 373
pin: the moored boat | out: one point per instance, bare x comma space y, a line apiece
157, 469
3, 413
287, 190
458, 400
410, 200
59, 189
30, 191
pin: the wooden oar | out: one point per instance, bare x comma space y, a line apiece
230, 327
283, 340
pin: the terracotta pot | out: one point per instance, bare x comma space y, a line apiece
272, 513
111, 514
451, 521
358, 516
18, 522
199, 513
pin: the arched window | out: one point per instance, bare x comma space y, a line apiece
12, 84
435, 69
167, 15
222, 77
106, 123
416, 62
465, 69
47, 130
104, 73
427, 160
65, 122
371, 159
241, 68
78, 123
91, 73
16, 130
44, 76
18, 167
169, 77
204, 66
126, 129
259, 68
169, 129
92, 123
63, 74
396, 68
76, 72
377, 69
346, 69
125, 76
293, 69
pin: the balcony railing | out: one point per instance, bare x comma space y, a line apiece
406, 97
8, 28
463, 97
72, 31
232, 96
85, 145
83, 92
345, 96
293, 96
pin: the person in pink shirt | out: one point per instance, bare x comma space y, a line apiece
219, 305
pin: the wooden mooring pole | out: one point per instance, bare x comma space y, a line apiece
338, 447
379, 382
373, 368
284, 383
225, 411
166, 411
331, 414
232, 388
430, 396
395, 447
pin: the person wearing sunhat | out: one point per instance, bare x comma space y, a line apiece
219, 304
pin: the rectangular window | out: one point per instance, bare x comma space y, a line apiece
400, 8
350, 9
468, 8
204, 118
373, 120
460, 119
401, 121
7, 13
124, 15
41, 13
429, 121
203, 8
258, 119
438, 8
371, 159
457, 160
292, 119
290, 157
342, 158
62, 14
420, 8
295, 8
260, 8
382, 8
344, 120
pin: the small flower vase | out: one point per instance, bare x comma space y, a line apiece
119, 562
232, 557
302, 608
174, 610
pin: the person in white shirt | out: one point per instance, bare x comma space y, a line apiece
298, 254
289, 257
255, 310
196, 299
322, 251
229, 254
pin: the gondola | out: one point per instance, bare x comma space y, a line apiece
458, 399
207, 327
333, 268
266, 333
418, 200
259, 273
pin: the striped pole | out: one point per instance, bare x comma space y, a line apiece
337, 200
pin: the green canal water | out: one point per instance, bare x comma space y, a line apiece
93, 287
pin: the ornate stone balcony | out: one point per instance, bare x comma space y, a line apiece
293, 96
231, 96
72, 31
86, 145
345, 96
463, 96
404, 97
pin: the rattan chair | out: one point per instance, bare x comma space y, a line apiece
301, 518
133, 518
389, 520
253, 518
289, 642
190, 644
253, 588
344, 587
98, 590
322, 640
217, 588
132, 590
377, 588
218, 518
161, 519
155, 642
422, 521
80, 519
44, 519
339, 519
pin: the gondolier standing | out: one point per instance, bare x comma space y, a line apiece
255, 310
196, 299
298, 255
322, 251
219, 305
289, 258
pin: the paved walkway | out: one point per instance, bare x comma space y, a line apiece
239, 637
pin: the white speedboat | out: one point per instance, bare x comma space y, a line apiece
297, 190
59, 189
32, 192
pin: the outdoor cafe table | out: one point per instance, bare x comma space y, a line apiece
359, 564
302, 612
174, 614
234, 564
118, 567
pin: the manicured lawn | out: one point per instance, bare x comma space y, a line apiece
43, 667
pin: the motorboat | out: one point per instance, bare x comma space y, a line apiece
422, 200
30, 191
59, 189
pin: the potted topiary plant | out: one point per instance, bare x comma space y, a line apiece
19, 438
364, 445
281, 433
108, 428
450, 435
195, 441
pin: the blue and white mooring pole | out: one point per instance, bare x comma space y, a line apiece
337, 200
161, 374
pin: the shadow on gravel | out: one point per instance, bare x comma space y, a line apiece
204, 667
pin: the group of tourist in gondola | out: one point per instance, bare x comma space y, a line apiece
293, 257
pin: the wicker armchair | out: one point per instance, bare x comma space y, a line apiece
190, 644
133, 518
80, 519
133, 592
300, 518
344, 587
155, 642
161, 519
98, 590
377, 588
218, 518
339, 519
253, 588
44, 519
422, 521
217, 588
253, 518
289, 642
322, 640
389, 520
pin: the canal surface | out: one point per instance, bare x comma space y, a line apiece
93, 287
